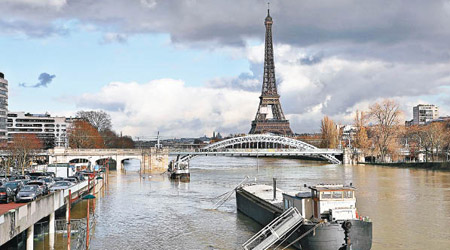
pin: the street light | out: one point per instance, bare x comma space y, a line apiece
88, 197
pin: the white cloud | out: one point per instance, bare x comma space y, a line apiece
111, 37
57, 4
148, 3
310, 87
169, 106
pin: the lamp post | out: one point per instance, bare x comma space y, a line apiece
68, 219
88, 198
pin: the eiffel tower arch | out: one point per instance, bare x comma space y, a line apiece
269, 117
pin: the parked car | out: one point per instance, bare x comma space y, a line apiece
60, 185
50, 174
3, 180
28, 193
6, 194
58, 179
41, 184
48, 180
76, 177
73, 180
36, 175
22, 177
14, 185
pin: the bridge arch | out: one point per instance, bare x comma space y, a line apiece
254, 141
107, 160
129, 159
79, 160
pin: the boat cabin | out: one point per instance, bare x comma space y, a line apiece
331, 202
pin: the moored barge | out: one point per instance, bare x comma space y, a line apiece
329, 216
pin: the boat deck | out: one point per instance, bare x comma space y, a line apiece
265, 192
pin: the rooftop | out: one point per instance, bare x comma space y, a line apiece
330, 187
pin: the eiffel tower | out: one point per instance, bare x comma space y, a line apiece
270, 117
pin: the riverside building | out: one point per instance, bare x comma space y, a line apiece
424, 113
3, 107
52, 131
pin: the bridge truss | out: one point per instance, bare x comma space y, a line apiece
251, 144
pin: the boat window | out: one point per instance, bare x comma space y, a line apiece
326, 195
337, 195
348, 194
286, 204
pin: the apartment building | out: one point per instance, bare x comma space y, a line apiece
424, 113
3, 106
51, 130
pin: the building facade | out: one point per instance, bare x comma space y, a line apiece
424, 113
3, 107
52, 131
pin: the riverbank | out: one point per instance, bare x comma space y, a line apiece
442, 166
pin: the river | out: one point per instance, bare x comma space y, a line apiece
410, 209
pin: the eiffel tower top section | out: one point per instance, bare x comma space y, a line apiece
269, 87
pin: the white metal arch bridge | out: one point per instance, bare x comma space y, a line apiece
261, 145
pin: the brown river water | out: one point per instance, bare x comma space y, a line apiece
410, 208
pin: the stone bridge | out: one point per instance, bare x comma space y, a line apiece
151, 159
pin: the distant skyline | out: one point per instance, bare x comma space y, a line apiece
188, 68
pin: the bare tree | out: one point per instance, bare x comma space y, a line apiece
22, 149
361, 139
330, 133
112, 140
386, 118
83, 135
413, 134
434, 138
99, 119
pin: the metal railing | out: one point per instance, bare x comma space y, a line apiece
77, 230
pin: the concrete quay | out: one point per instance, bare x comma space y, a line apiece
18, 217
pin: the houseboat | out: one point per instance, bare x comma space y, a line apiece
329, 217
178, 170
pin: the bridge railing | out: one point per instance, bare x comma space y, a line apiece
253, 150
81, 150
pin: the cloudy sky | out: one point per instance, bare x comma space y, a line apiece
191, 67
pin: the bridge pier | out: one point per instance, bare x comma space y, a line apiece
157, 160
51, 230
30, 237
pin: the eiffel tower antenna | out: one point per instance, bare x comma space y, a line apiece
269, 117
